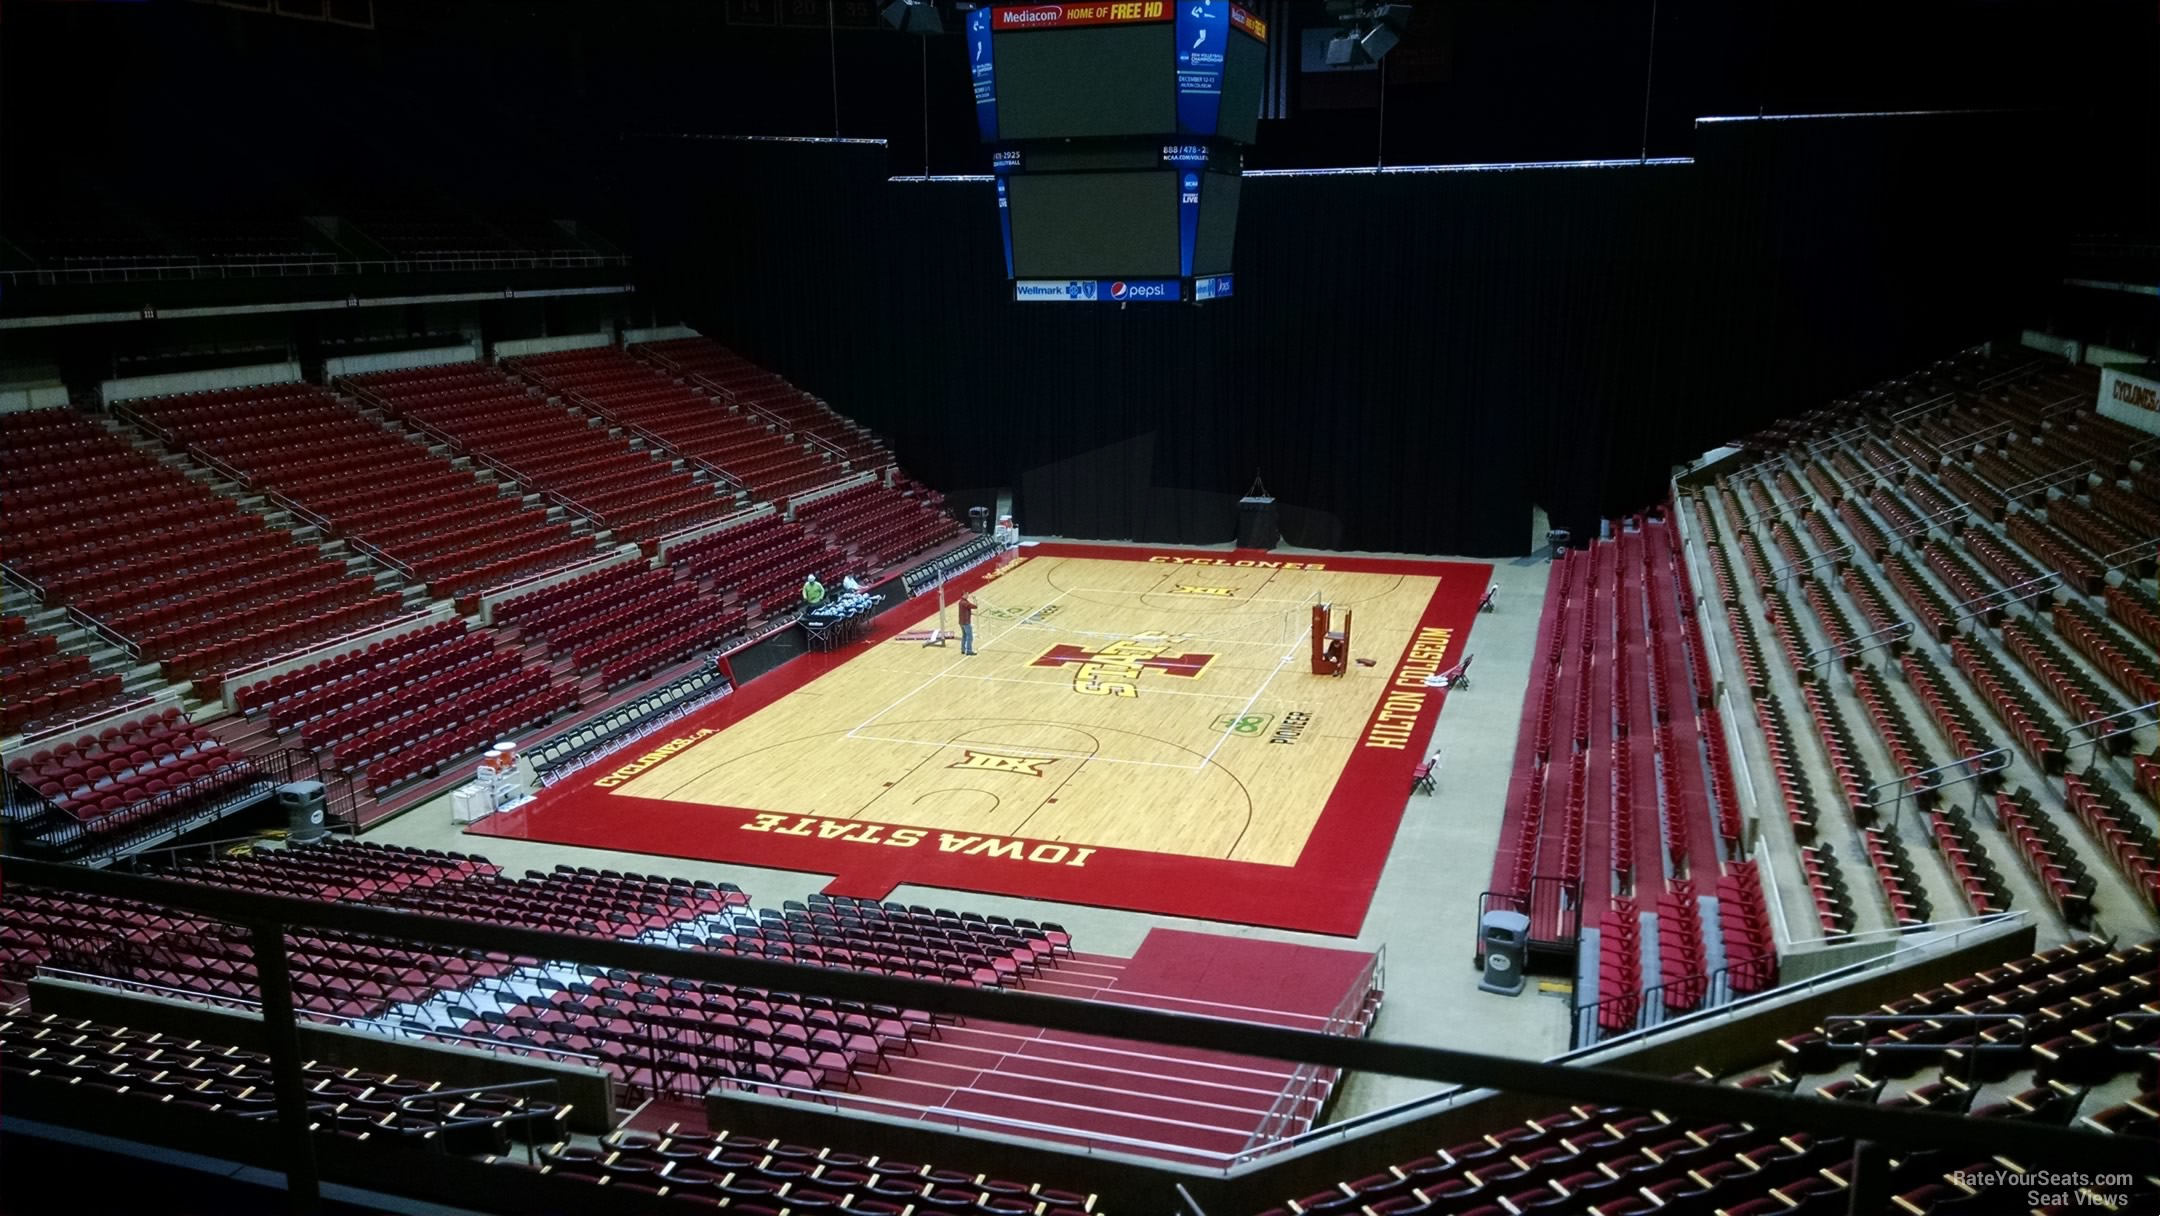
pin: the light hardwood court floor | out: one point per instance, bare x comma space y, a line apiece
1139, 705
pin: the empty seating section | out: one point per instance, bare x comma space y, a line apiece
878, 526
1897, 735
2136, 610
135, 776
1976, 876
1935, 615
654, 1033
2056, 551
1623, 783
433, 521
2126, 836
429, 236
1944, 704
1787, 768
754, 388
43, 688
1974, 592
750, 449
760, 562
2101, 535
626, 622
2009, 567
751, 1173
2047, 855
572, 460
145, 1077
1826, 888
1848, 770
2046, 614
2127, 511
2083, 1001
1893, 871
2065, 681
261, 694
407, 706
184, 576
149, 1076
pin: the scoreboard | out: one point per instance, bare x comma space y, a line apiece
1114, 129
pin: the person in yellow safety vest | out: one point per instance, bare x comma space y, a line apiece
813, 593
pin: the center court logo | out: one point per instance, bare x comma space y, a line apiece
992, 762
1115, 670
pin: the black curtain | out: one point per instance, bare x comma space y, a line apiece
1410, 362
1412, 359
1837, 252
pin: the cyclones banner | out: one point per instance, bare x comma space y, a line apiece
1066, 16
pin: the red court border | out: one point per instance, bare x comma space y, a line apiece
1327, 891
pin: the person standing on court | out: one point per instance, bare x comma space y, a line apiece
813, 593
967, 624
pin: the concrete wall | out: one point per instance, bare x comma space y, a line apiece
2033, 339
398, 360
2101, 356
32, 393
345, 645
589, 1091
130, 387
540, 346
615, 557
657, 333
733, 521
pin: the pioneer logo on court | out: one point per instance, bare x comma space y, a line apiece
991, 762
1115, 670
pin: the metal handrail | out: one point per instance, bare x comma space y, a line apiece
1297, 1088
2098, 736
1828, 557
436, 1095
2020, 371
2042, 481
1967, 442
1897, 803
1990, 600
1846, 649
1919, 408
2137, 553
270, 915
309, 269
1926, 523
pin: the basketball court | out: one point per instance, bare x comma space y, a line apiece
1138, 728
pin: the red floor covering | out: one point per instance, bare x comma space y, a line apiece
1178, 1103
1327, 891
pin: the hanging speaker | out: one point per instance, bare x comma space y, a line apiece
1378, 41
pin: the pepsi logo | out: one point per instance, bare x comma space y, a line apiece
1117, 290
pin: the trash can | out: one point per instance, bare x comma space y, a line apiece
304, 805
1507, 940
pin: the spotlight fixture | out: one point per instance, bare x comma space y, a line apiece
1368, 31
914, 16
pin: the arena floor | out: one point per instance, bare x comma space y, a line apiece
1138, 729
1421, 912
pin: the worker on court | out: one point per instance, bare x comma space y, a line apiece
967, 624
813, 593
